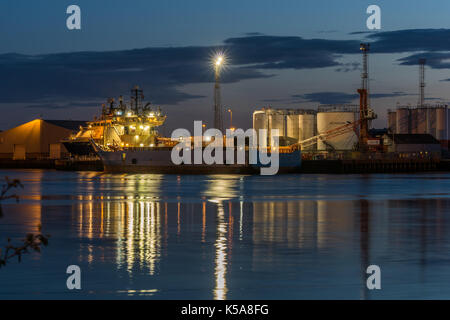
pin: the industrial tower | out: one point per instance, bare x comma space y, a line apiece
365, 113
365, 47
218, 121
422, 82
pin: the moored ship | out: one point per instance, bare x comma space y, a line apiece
120, 125
158, 159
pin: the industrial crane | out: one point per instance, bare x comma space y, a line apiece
365, 113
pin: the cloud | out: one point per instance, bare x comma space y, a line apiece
161, 71
253, 34
410, 40
282, 52
327, 31
435, 60
348, 67
331, 97
50, 79
360, 32
327, 97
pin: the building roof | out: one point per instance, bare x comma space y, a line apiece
73, 125
413, 138
377, 132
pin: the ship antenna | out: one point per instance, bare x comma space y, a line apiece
138, 95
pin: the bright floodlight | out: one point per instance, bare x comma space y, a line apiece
219, 60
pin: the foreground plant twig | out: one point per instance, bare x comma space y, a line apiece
31, 242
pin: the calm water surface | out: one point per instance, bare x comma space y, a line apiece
230, 237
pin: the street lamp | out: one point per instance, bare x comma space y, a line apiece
231, 119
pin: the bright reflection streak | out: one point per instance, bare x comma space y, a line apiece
130, 234
220, 290
135, 224
140, 293
241, 218
222, 187
203, 221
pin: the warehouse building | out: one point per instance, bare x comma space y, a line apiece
37, 139
415, 145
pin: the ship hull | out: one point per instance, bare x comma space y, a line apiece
158, 160
79, 148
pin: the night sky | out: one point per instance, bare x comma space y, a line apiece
293, 54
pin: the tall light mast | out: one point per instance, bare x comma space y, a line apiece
422, 82
365, 47
365, 112
218, 121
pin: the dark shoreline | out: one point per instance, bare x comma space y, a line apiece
308, 166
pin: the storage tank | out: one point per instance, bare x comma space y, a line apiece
292, 125
260, 121
441, 123
431, 116
403, 120
307, 126
392, 121
328, 120
414, 120
421, 120
277, 120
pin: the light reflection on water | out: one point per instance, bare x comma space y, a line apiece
231, 237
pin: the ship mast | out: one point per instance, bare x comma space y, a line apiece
137, 96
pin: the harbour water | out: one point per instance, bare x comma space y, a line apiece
299, 236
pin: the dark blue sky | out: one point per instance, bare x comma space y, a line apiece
292, 54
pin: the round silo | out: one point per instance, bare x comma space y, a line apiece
421, 120
329, 120
403, 120
260, 121
307, 125
277, 120
292, 128
414, 120
431, 115
392, 121
307, 128
441, 123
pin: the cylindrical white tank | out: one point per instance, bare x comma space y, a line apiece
331, 120
260, 121
403, 120
414, 120
431, 115
421, 120
292, 125
277, 120
441, 123
392, 121
307, 126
